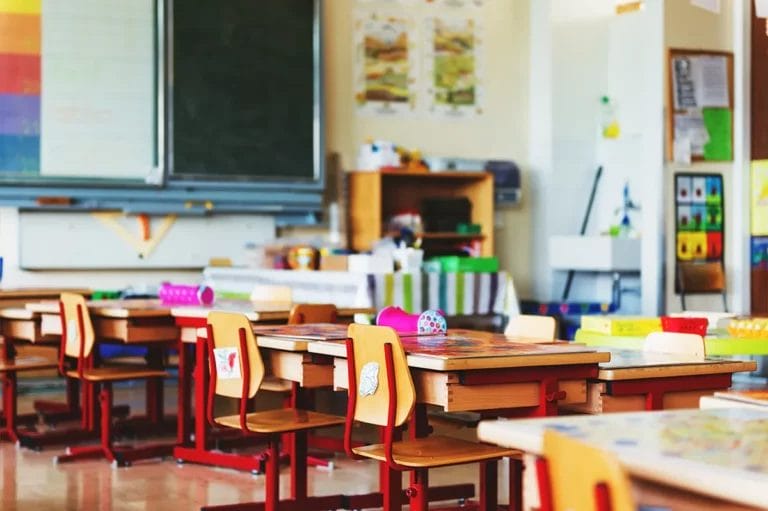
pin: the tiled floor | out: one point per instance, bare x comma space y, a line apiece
31, 482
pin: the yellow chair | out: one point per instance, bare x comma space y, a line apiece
381, 393
312, 313
530, 327
78, 340
574, 476
237, 371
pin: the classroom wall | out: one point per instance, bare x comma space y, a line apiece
500, 133
188, 232
690, 27
580, 52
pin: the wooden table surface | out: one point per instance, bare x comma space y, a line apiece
635, 364
469, 350
715, 345
721, 453
136, 308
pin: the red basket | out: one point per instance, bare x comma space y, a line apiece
685, 325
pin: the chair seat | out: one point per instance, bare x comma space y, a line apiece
274, 384
435, 451
281, 420
26, 364
118, 373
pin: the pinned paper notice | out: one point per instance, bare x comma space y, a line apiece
227, 363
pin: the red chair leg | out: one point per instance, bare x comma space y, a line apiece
418, 492
272, 483
9, 407
489, 486
515, 484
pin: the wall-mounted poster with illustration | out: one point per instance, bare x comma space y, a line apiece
699, 213
385, 65
456, 3
453, 66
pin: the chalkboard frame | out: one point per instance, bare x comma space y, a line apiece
246, 181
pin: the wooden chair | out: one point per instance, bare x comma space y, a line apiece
534, 328
574, 476
675, 343
271, 297
701, 278
312, 313
381, 393
77, 342
237, 371
8, 371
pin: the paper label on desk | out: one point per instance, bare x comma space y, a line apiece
369, 379
227, 363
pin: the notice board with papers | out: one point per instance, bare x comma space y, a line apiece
700, 113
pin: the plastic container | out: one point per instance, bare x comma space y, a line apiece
456, 264
686, 325
180, 294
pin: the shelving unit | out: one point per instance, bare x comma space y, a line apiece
375, 197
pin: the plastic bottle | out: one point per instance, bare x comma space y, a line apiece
609, 123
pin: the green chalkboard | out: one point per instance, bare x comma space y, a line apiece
243, 90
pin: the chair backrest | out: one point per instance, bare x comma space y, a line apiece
370, 385
268, 296
579, 475
675, 343
230, 337
701, 278
531, 328
77, 335
312, 313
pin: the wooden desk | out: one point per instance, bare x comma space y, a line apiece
635, 380
21, 296
285, 358
684, 459
722, 345
477, 371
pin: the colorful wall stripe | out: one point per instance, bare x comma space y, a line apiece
20, 41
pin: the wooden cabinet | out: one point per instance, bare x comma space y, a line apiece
375, 197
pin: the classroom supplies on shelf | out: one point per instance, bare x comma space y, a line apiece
427, 322
454, 293
171, 294
621, 325
685, 325
748, 328
457, 264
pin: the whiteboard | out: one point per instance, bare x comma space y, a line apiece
78, 86
63, 241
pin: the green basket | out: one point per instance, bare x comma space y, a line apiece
456, 264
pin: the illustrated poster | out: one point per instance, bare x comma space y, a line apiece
453, 67
385, 65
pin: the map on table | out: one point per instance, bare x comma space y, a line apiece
470, 345
638, 358
728, 437
310, 331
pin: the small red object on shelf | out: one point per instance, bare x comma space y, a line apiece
684, 325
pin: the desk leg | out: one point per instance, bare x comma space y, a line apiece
154, 387
201, 391
184, 412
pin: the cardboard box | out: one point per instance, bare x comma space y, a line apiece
334, 263
621, 325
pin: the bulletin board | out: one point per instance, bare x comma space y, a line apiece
700, 218
700, 113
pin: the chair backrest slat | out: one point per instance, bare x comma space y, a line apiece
531, 328
577, 484
371, 381
312, 313
72, 333
229, 360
